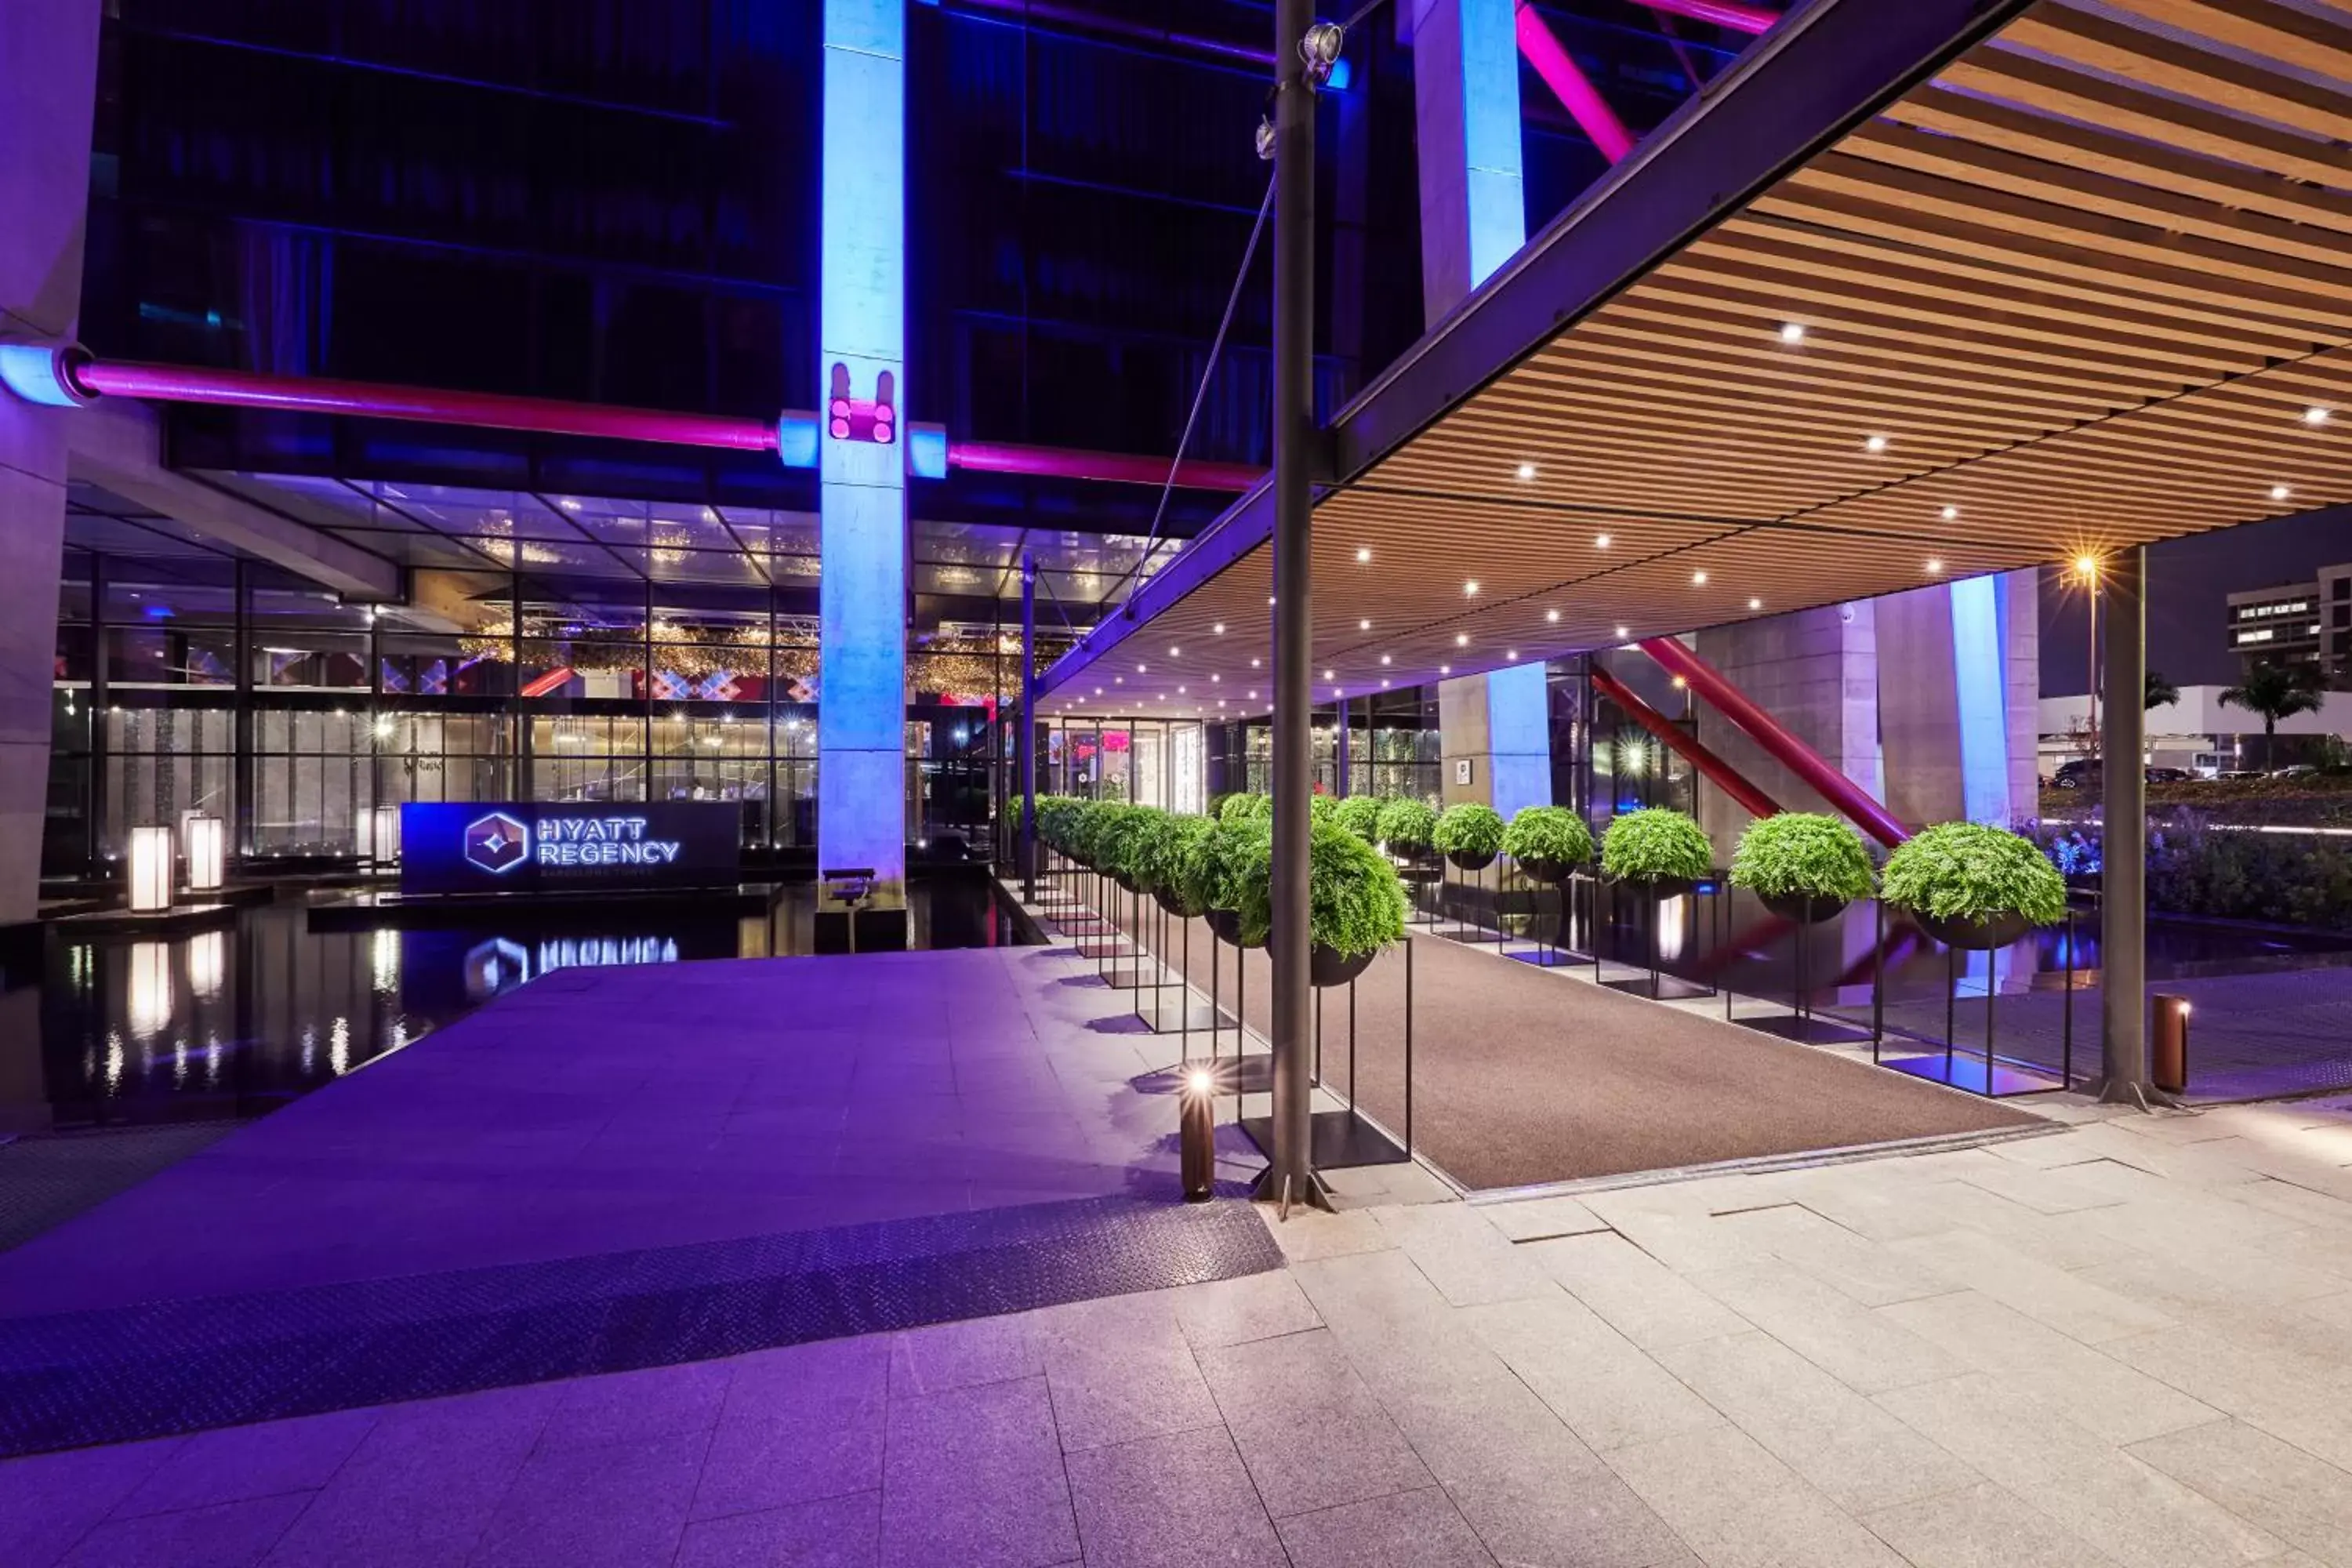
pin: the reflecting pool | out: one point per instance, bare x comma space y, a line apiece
231, 1022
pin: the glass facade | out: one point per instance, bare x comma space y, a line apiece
191, 682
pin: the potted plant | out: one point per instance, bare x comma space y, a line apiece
1319, 807
1115, 824
1174, 848
1406, 827
1144, 847
1246, 808
1548, 841
1240, 882
1359, 814
1973, 886
1663, 850
1356, 906
1804, 865
1469, 835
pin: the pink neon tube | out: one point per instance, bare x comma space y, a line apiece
557, 416
1752, 801
1570, 86
374, 400
988, 456
1767, 731
1723, 12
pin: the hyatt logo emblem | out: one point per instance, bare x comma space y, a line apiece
497, 842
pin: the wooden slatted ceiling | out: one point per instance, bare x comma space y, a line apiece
2087, 285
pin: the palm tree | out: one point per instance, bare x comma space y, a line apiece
2275, 691
2161, 693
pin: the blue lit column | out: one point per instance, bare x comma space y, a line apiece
48, 84
862, 640
1465, 84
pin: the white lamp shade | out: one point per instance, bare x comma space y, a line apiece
206, 845
151, 869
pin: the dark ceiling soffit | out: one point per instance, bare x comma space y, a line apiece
1826, 69
1821, 73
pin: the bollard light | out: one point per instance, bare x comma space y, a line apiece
1197, 1133
2168, 1055
205, 840
151, 869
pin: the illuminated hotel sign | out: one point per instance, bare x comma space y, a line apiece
475, 847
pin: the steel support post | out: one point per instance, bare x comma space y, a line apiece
2123, 912
1025, 744
1342, 760
1290, 1177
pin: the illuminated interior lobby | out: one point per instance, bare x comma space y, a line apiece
1130, 782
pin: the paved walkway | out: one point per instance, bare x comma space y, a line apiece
2124, 1346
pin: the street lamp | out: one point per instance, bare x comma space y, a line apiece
2086, 567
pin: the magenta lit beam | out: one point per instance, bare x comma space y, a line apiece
1722, 13
1571, 86
558, 417
1776, 739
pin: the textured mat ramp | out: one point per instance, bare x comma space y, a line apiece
128, 1373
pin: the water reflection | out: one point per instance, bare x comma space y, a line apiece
231, 1022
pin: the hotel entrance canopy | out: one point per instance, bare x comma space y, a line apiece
1920, 290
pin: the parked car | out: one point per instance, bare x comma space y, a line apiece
2084, 772
2295, 770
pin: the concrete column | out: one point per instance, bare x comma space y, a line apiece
1465, 84
2123, 912
1465, 88
48, 85
1815, 672
861, 608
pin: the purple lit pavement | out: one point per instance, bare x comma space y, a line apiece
2118, 1347
600, 1110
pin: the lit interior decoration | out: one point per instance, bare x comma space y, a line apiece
206, 845
151, 869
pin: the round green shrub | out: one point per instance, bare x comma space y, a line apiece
1112, 826
1654, 845
1468, 829
1196, 861
1170, 850
1143, 854
1246, 808
1319, 807
1407, 824
1356, 902
1242, 878
1547, 833
1359, 814
1057, 815
1970, 871
1802, 855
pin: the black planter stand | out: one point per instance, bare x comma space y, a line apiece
1558, 952
1986, 1073
1801, 1024
1655, 983
1344, 1139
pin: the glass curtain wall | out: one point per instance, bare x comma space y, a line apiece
198, 683
1149, 761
